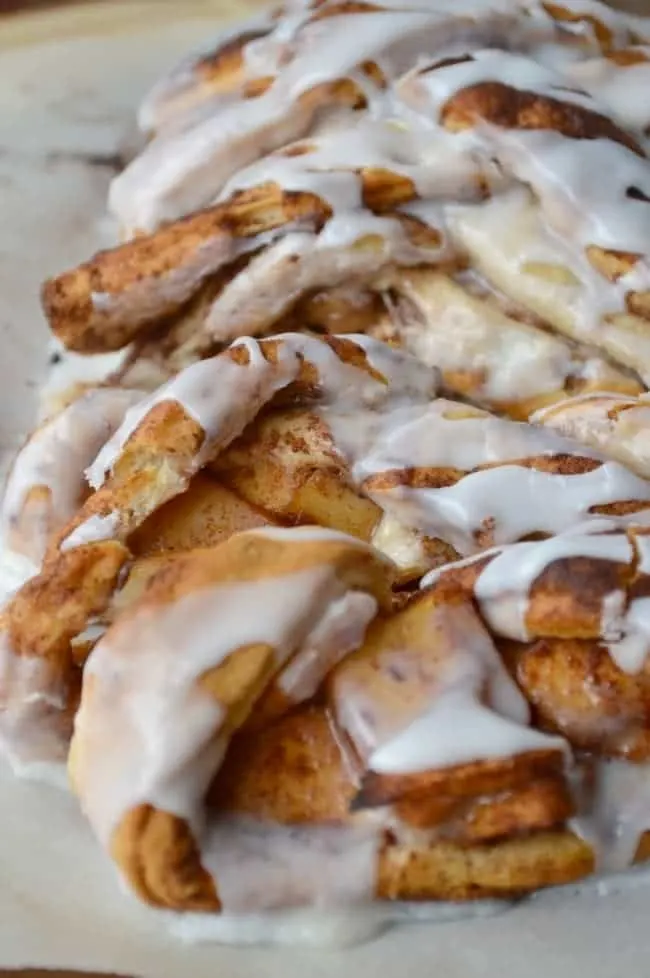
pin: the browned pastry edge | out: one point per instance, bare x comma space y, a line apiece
577, 690
627, 58
440, 477
222, 67
68, 299
562, 14
485, 777
511, 108
566, 600
156, 852
121, 273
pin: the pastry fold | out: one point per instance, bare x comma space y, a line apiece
570, 615
488, 351
615, 425
170, 862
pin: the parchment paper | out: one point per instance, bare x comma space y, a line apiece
66, 105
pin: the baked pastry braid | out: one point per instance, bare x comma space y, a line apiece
462, 480
335, 588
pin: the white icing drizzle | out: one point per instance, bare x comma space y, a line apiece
265, 866
53, 461
223, 396
510, 361
615, 813
14, 572
503, 586
190, 161
92, 530
618, 426
181, 171
320, 927
631, 647
135, 673
33, 737
457, 730
451, 704
568, 175
221, 405
511, 501
340, 631
621, 87
509, 498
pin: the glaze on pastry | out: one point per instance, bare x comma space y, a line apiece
339, 583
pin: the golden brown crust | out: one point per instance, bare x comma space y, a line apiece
511, 108
286, 464
157, 855
577, 690
315, 786
220, 70
135, 273
542, 803
446, 871
54, 607
242, 557
476, 779
628, 57
566, 599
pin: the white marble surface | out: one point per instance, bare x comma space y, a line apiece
66, 112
